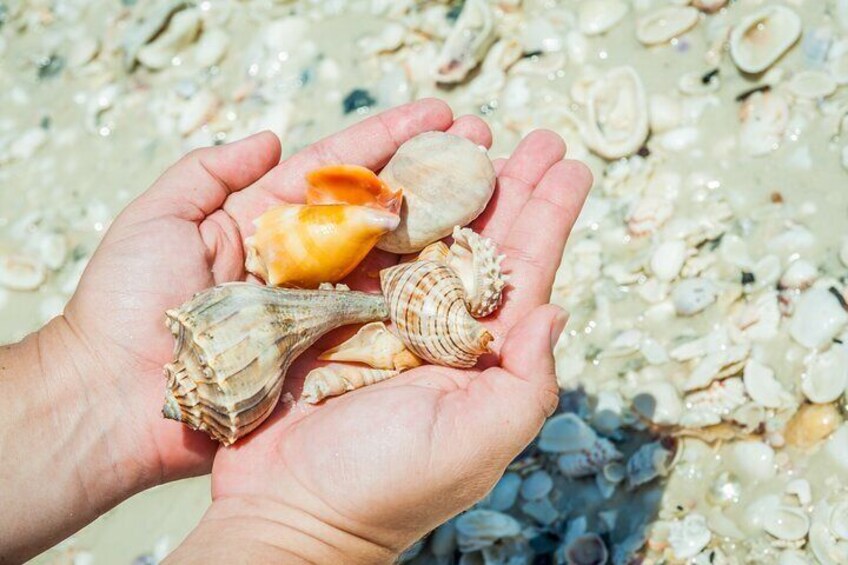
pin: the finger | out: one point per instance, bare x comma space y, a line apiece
519, 175
535, 243
472, 128
199, 183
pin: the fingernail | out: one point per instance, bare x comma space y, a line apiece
558, 326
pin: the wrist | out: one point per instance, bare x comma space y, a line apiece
258, 531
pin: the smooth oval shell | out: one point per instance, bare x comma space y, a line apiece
760, 39
787, 523
818, 318
617, 114
811, 424
599, 16
812, 84
427, 307
566, 432
665, 24
234, 344
434, 169
826, 377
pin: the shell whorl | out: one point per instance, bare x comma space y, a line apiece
426, 303
475, 259
234, 343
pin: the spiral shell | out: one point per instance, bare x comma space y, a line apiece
426, 303
336, 379
476, 261
236, 341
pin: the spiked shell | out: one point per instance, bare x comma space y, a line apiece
475, 259
234, 343
427, 307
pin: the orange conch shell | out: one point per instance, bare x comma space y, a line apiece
351, 184
302, 246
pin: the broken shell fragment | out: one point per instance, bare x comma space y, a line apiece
302, 246
434, 168
760, 39
351, 184
599, 16
665, 24
337, 378
234, 344
375, 346
476, 261
427, 307
693, 295
617, 114
471, 36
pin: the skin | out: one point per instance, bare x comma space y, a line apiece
357, 478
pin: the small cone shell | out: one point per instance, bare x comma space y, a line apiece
351, 184
302, 246
234, 344
336, 379
427, 307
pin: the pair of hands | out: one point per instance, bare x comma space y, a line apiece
370, 472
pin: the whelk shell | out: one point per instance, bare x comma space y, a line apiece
476, 261
759, 39
375, 346
426, 303
338, 378
617, 114
434, 168
234, 344
472, 35
665, 24
599, 16
811, 424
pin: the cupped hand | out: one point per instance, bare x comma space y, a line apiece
376, 468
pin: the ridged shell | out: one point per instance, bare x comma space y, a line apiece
427, 307
475, 259
433, 169
236, 341
336, 379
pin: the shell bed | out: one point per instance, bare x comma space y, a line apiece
704, 357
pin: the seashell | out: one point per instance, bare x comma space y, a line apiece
759, 39
652, 460
475, 260
827, 551
199, 109
752, 460
665, 112
427, 306
537, 485
617, 114
211, 47
818, 318
709, 406
504, 494
577, 463
764, 117
687, 537
298, 245
180, 32
234, 344
434, 168
762, 387
375, 346
837, 446
599, 16
351, 184
503, 54
801, 489
709, 6
437, 252
725, 490
149, 25
668, 259
587, 549
566, 432
787, 523
812, 84
467, 44
337, 378
664, 24
53, 250
800, 275
811, 424
18, 272
826, 376
838, 519
691, 296
659, 402
648, 214
541, 510
477, 529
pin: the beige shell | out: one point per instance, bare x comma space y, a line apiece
475, 259
467, 44
375, 346
434, 169
666, 23
236, 341
427, 307
336, 379
617, 114
760, 39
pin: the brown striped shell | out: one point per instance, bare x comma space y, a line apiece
426, 303
234, 343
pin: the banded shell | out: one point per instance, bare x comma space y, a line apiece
234, 344
337, 378
759, 40
467, 44
375, 346
665, 24
617, 114
476, 261
426, 303
434, 168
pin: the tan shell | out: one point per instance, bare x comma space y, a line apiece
375, 346
236, 341
617, 114
336, 379
467, 44
427, 306
761, 38
475, 259
433, 169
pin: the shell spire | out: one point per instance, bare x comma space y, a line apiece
475, 259
234, 344
336, 379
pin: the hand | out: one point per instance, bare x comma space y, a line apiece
362, 476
